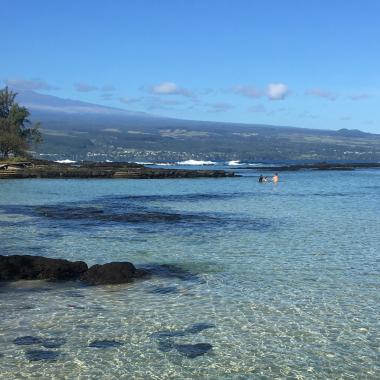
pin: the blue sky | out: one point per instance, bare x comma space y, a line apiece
313, 64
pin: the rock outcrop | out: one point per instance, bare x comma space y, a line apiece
110, 273
25, 267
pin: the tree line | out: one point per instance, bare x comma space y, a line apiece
17, 133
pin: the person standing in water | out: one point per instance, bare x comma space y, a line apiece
275, 178
261, 178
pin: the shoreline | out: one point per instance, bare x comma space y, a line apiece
114, 170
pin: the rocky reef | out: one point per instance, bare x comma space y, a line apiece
48, 169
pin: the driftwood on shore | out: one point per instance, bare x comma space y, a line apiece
47, 169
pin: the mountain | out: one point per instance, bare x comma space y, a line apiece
81, 130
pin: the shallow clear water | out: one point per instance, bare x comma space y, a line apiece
279, 281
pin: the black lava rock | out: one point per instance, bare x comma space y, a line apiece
25, 267
110, 273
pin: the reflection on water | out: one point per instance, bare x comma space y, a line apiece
250, 281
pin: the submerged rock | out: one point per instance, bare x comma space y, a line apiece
25, 267
198, 327
164, 290
110, 273
105, 344
193, 350
171, 271
27, 340
36, 355
165, 345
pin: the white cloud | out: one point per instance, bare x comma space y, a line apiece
31, 85
169, 88
277, 91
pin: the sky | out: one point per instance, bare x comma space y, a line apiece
313, 64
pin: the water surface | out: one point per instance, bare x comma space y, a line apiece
259, 281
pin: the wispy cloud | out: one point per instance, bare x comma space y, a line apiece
219, 107
247, 90
129, 100
277, 91
274, 91
169, 88
31, 85
84, 87
359, 96
156, 103
319, 93
151, 102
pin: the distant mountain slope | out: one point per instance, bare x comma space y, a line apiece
75, 129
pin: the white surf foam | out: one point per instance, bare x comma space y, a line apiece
65, 161
195, 162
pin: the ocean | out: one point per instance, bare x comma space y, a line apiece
256, 281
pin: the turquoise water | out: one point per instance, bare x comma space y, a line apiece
276, 282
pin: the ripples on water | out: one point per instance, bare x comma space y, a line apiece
251, 281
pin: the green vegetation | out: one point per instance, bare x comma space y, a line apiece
16, 131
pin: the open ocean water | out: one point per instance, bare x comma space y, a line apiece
256, 281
